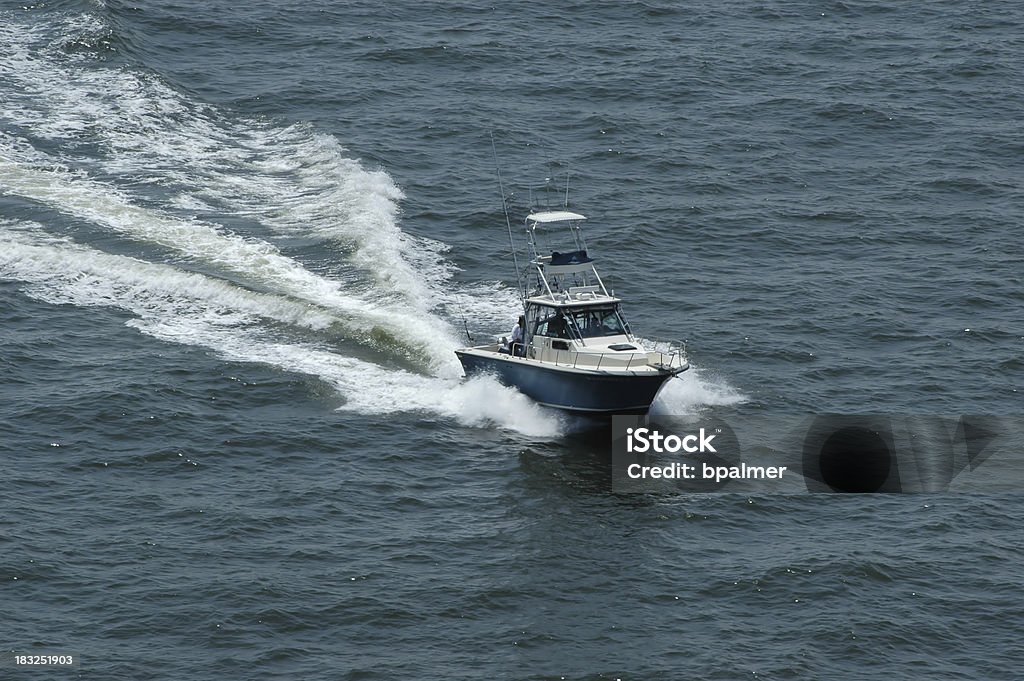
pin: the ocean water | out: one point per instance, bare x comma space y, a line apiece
239, 243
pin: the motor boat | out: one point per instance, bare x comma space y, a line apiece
574, 349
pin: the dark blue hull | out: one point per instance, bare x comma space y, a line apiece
578, 391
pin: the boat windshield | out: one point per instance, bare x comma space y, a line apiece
581, 322
593, 322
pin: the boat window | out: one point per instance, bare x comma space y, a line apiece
596, 322
537, 317
556, 325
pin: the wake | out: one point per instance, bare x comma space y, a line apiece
139, 162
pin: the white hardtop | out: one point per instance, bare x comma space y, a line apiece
576, 296
554, 216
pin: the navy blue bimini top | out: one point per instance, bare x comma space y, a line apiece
571, 258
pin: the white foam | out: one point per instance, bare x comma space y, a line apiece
482, 400
694, 390
487, 309
72, 273
247, 259
198, 310
291, 179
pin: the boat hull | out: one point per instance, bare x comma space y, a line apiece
591, 392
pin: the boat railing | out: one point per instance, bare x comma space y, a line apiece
667, 355
670, 354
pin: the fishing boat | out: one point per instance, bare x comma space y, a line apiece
574, 349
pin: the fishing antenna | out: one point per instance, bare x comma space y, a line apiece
566, 186
508, 223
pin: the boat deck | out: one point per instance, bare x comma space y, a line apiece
639, 362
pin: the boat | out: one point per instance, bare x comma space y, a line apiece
576, 352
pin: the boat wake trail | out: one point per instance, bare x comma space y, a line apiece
260, 241
247, 326
208, 205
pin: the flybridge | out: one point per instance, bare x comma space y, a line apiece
563, 276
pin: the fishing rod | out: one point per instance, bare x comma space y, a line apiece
465, 323
508, 223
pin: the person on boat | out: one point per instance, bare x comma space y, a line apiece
557, 326
516, 346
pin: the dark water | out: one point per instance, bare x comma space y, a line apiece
237, 246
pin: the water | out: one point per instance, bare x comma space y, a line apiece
237, 248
